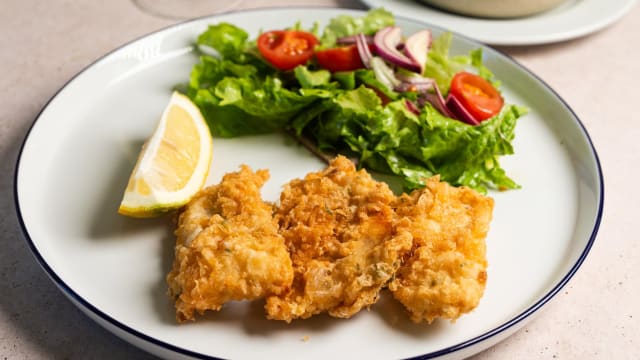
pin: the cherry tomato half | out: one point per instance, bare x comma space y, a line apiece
286, 49
345, 58
476, 94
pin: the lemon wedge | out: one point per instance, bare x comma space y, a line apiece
173, 164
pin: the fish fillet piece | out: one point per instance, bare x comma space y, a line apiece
342, 234
228, 247
444, 275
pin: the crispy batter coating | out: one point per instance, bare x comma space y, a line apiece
343, 238
335, 240
228, 247
445, 273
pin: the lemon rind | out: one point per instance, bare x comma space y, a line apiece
159, 202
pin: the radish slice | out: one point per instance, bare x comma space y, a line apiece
386, 43
416, 47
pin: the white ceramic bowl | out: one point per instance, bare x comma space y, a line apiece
495, 8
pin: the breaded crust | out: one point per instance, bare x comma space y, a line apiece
228, 247
335, 240
444, 275
342, 234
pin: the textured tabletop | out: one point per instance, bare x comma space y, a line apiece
44, 43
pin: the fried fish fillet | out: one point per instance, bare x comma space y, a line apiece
342, 235
228, 247
444, 275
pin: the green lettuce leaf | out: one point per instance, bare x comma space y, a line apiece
391, 139
227, 39
310, 79
236, 99
239, 94
440, 66
345, 25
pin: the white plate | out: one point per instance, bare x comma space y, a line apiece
571, 20
76, 159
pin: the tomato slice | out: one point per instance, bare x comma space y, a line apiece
476, 94
286, 49
345, 58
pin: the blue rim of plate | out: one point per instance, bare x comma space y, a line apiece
453, 348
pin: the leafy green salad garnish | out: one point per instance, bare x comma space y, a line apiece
240, 94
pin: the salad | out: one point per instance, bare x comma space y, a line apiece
398, 103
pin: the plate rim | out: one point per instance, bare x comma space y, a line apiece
566, 34
92, 310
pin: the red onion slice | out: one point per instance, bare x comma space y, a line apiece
363, 50
428, 83
351, 39
384, 73
416, 47
418, 87
412, 107
460, 111
437, 100
386, 43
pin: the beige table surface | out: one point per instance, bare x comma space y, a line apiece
44, 43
